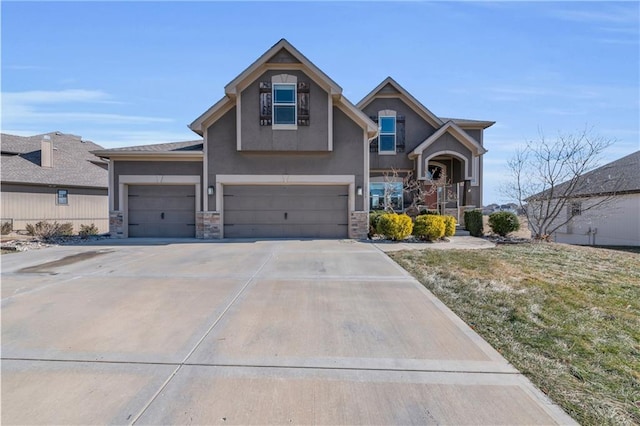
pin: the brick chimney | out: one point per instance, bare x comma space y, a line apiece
46, 152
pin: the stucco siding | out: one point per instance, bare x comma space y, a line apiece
416, 131
314, 137
347, 157
614, 223
30, 204
447, 142
157, 168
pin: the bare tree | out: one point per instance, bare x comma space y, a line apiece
549, 175
417, 190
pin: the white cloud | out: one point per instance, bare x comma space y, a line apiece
35, 97
62, 107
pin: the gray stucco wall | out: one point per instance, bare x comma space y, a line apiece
182, 168
416, 131
314, 137
475, 133
447, 142
347, 157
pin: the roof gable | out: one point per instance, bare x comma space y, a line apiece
454, 130
390, 88
281, 55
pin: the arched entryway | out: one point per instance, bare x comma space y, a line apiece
445, 184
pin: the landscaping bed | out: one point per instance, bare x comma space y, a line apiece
567, 317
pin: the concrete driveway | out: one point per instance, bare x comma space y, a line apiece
267, 332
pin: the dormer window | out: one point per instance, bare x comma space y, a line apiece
387, 132
284, 104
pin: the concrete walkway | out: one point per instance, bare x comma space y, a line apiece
245, 332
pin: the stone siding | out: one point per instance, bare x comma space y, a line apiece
358, 224
116, 224
208, 225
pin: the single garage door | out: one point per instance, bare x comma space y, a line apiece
278, 211
166, 211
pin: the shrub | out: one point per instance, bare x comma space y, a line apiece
394, 226
374, 217
449, 226
7, 227
86, 230
425, 211
429, 227
473, 222
48, 230
503, 223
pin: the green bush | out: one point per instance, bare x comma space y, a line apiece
429, 227
374, 217
394, 226
473, 222
449, 226
7, 227
48, 230
86, 230
425, 211
502, 223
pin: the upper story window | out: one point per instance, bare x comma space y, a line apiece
390, 138
387, 130
62, 197
284, 104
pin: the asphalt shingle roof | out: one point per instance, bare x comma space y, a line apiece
619, 176
73, 163
160, 147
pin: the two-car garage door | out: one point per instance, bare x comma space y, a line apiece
285, 211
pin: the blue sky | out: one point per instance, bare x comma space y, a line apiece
132, 73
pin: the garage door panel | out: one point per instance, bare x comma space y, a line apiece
286, 211
161, 211
161, 203
170, 216
155, 229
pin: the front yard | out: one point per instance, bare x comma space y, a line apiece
567, 317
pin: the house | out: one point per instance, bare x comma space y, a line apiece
604, 207
442, 156
53, 177
285, 154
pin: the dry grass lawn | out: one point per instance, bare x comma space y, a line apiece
567, 317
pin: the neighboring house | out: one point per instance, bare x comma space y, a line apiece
285, 154
614, 190
53, 177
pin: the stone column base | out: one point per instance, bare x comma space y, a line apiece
208, 225
116, 224
358, 224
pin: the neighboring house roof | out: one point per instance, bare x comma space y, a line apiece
170, 149
621, 176
281, 55
73, 164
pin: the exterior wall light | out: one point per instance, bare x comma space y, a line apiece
359, 190
211, 190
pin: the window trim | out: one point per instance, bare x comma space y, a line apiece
388, 194
382, 115
66, 197
284, 80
